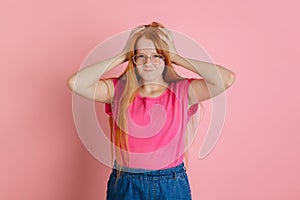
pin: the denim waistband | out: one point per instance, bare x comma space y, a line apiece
146, 172
130, 170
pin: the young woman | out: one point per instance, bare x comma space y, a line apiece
149, 106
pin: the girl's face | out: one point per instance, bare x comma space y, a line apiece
149, 63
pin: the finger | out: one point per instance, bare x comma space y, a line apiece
167, 32
164, 31
141, 27
136, 30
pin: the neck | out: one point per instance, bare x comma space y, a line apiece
150, 86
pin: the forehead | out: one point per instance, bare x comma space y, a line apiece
144, 45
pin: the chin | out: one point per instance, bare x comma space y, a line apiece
150, 76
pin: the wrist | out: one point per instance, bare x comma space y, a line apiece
121, 57
175, 58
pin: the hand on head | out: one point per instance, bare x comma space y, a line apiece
164, 34
168, 38
133, 33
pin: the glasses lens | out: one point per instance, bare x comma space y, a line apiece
156, 58
139, 59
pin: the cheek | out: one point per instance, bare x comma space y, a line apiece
138, 70
161, 68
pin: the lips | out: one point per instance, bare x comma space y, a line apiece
148, 69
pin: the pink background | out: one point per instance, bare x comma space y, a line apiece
44, 42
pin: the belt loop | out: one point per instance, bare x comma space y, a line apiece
174, 173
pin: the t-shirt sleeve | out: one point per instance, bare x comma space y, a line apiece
193, 108
108, 110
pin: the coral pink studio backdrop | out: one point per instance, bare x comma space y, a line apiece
43, 42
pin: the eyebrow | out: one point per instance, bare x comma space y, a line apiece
150, 48
154, 50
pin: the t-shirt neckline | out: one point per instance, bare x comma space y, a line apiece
154, 98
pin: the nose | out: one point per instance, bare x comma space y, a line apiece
148, 60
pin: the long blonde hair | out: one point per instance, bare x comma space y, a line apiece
120, 138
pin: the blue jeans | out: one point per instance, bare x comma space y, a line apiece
165, 184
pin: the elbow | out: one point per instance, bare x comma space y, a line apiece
70, 83
230, 80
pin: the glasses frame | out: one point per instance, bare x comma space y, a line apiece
146, 57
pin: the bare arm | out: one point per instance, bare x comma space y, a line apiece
216, 78
212, 73
87, 84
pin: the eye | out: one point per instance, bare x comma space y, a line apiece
140, 56
157, 56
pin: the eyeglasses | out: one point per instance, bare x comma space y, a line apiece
140, 59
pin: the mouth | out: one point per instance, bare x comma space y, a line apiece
148, 69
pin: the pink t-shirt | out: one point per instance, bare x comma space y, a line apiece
156, 126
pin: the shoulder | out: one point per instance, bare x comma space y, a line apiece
185, 88
115, 80
180, 87
184, 82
